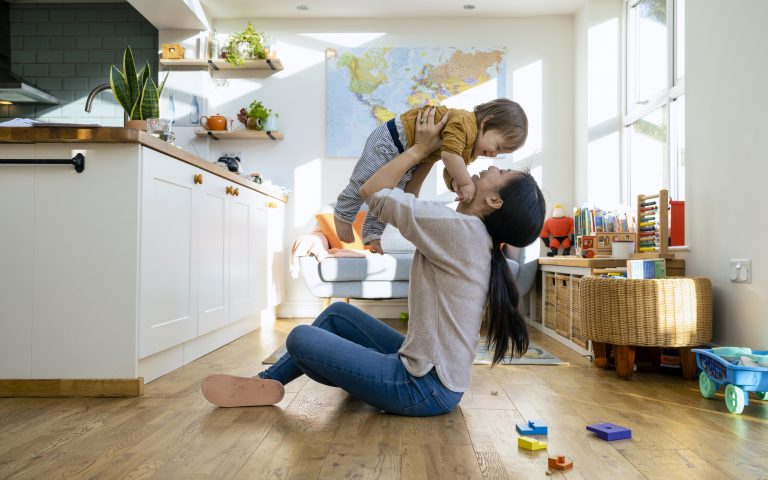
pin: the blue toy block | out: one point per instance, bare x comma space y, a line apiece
533, 427
609, 431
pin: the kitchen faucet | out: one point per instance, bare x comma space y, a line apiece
96, 91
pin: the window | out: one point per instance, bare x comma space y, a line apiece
654, 120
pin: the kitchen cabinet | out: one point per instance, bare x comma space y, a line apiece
205, 244
138, 265
169, 249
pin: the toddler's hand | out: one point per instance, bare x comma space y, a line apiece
466, 192
375, 247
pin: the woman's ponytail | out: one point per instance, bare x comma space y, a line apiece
518, 222
505, 320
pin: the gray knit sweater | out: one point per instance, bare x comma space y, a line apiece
448, 284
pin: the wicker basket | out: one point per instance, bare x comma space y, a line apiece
563, 305
550, 313
578, 335
537, 292
670, 312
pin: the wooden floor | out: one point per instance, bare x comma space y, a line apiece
320, 432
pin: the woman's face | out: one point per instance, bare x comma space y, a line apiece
492, 179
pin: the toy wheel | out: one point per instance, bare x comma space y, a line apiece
734, 398
706, 386
762, 395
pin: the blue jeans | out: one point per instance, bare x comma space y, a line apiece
347, 348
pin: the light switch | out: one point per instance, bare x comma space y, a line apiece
741, 270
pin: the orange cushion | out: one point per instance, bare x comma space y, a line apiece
328, 227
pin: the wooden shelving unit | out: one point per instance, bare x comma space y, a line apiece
268, 64
221, 64
240, 134
184, 63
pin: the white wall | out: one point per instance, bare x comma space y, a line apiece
298, 94
726, 125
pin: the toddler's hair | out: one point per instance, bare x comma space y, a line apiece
505, 116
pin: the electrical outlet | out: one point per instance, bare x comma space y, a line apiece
741, 270
233, 155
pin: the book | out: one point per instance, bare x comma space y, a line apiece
646, 269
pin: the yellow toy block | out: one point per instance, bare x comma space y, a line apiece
529, 443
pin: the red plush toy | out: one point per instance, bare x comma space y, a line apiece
560, 229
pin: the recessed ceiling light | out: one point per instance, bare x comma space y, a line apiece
469, 6
302, 7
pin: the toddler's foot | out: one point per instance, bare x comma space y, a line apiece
344, 231
231, 391
375, 247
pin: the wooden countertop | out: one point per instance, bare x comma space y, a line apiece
125, 135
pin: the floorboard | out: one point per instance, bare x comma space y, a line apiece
319, 432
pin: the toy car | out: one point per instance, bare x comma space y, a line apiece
738, 379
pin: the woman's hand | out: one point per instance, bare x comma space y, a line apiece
426, 140
427, 132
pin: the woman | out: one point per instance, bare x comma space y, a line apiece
459, 277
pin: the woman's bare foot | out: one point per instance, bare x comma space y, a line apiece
344, 231
231, 391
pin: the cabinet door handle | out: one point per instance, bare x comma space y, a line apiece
198, 179
271, 205
236, 192
229, 190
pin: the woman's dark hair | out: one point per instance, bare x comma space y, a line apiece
518, 223
505, 116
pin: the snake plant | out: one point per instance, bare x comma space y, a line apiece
136, 92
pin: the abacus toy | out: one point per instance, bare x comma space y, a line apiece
653, 226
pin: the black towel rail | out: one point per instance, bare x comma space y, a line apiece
78, 161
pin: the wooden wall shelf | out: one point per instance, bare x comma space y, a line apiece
221, 64
240, 134
184, 63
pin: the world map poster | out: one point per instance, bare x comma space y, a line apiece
368, 86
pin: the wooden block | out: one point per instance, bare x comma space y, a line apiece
533, 427
529, 443
559, 463
609, 431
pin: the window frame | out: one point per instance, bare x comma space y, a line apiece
672, 177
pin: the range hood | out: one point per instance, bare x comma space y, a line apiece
12, 87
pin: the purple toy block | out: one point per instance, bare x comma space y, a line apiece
609, 431
533, 427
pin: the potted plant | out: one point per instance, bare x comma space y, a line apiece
136, 92
244, 45
255, 116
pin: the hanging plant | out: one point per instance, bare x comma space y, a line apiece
244, 45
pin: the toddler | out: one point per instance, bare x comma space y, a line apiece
498, 126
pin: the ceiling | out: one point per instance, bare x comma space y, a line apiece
387, 9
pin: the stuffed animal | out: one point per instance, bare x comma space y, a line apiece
558, 232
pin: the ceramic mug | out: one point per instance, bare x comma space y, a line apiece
269, 125
214, 122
